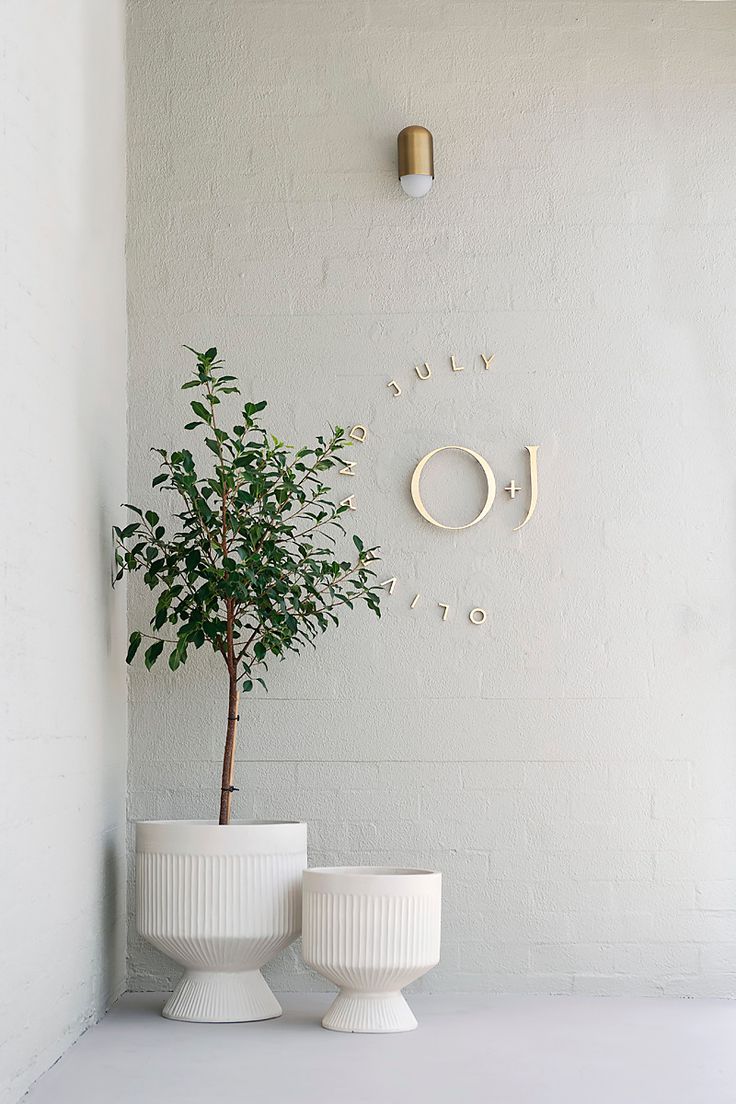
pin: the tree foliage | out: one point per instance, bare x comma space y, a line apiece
250, 567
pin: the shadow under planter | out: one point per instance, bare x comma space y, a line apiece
221, 900
371, 931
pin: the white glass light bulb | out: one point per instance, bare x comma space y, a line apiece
416, 185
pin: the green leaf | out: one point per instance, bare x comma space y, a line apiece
358, 543
151, 654
133, 646
247, 685
201, 411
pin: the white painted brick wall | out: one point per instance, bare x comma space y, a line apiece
571, 766
62, 471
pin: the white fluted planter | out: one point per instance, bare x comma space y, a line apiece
371, 931
221, 901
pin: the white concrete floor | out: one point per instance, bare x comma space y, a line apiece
467, 1050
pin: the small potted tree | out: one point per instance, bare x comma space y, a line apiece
250, 570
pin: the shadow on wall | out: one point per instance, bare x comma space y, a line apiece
113, 945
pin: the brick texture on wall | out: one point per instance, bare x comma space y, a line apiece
569, 765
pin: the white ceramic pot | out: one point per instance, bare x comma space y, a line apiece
221, 901
371, 930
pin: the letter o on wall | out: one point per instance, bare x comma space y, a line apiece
417, 496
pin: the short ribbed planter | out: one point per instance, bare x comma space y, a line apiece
221, 901
371, 931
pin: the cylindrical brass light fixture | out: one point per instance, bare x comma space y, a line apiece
416, 161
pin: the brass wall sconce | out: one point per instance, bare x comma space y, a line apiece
416, 161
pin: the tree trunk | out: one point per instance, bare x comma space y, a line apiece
228, 764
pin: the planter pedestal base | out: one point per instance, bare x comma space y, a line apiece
369, 1012
212, 996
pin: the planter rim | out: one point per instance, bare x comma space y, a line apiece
232, 824
207, 837
388, 881
372, 871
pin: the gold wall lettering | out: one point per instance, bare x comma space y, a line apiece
477, 615
359, 432
532, 450
417, 497
424, 371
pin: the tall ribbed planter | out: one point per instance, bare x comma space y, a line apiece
221, 900
371, 931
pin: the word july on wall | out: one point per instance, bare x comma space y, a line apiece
424, 372
359, 433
